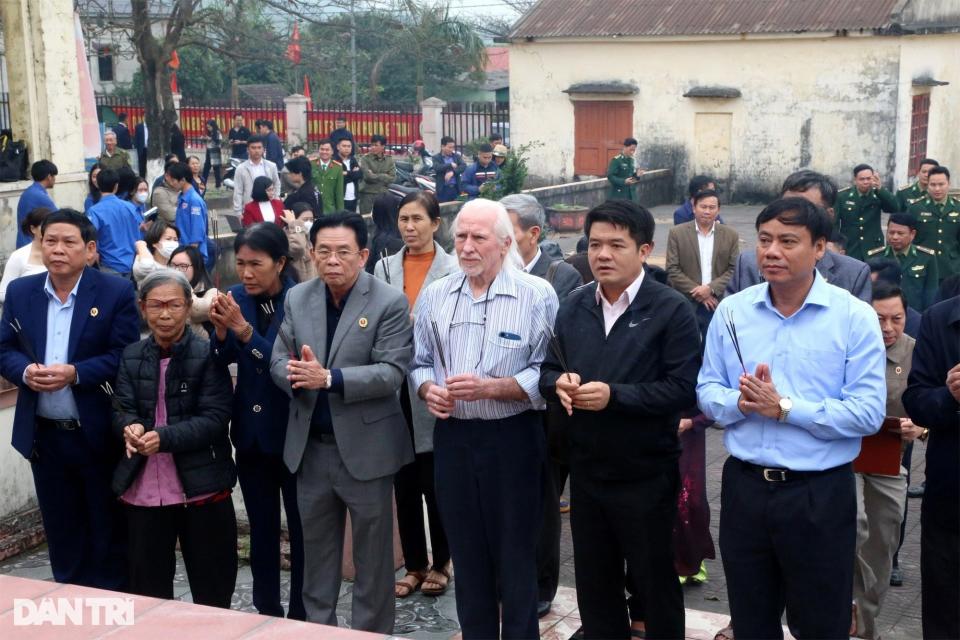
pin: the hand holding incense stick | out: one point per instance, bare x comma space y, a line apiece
557, 349
436, 339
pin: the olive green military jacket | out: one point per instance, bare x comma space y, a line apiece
378, 173
621, 167
330, 185
938, 227
921, 276
910, 194
858, 218
119, 159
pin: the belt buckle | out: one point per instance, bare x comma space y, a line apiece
775, 475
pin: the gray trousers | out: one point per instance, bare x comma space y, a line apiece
325, 491
880, 502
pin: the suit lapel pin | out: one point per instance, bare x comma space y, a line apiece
363, 323
94, 312
899, 370
183, 387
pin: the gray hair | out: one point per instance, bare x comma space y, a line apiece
161, 277
502, 228
529, 211
109, 132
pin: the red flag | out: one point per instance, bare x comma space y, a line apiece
174, 64
306, 89
293, 49
174, 60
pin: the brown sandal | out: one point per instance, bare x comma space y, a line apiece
405, 588
439, 578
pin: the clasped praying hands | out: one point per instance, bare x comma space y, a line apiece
758, 393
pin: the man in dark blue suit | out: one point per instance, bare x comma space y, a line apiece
61, 338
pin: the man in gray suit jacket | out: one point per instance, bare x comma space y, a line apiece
346, 434
529, 223
841, 271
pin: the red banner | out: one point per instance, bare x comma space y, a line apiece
399, 127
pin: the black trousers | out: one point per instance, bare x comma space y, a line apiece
208, 541
350, 205
625, 522
488, 475
788, 545
939, 575
548, 546
82, 519
413, 485
207, 165
264, 478
142, 162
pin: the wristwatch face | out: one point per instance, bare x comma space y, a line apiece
786, 404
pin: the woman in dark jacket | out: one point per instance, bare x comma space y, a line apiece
213, 140
247, 321
300, 174
386, 235
172, 408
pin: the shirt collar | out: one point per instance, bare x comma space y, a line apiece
898, 351
819, 294
529, 266
630, 292
503, 284
713, 228
48, 288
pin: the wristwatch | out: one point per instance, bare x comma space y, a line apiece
786, 404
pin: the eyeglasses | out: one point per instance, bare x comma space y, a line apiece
181, 267
342, 254
156, 306
462, 323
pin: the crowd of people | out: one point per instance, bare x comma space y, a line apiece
475, 384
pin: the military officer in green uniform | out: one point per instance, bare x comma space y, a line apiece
918, 190
329, 179
622, 174
938, 222
379, 171
858, 211
918, 264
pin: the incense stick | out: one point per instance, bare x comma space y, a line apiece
558, 352
732, 332
386, 265
114, 401
24, 343
286, 342
436, 339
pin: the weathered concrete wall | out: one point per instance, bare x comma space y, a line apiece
822, 102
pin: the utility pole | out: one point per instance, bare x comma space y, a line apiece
353, 56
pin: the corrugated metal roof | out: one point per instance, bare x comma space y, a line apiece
602, 18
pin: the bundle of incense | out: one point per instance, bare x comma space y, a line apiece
114, 401
386, 264
436, 338
286, 342
268, 308
557, 349
24, 342
732, 332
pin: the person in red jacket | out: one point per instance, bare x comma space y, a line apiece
265, 206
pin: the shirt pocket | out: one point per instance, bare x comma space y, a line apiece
506, 353
820, 373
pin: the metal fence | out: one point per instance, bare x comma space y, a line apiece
466, 122
400, 124
5, 111
195, 113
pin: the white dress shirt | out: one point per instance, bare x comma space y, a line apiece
612, 311
529, 266
705, 242
266, 210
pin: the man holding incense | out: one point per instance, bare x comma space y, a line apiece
794, 370
624, 367
480, 335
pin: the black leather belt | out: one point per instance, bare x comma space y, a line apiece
776, 474
60, 425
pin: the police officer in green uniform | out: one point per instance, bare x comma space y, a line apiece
918, 264
858, 211
329, 178
938, 221
622, 174
918, 190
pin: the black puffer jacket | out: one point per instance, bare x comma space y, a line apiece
199, 398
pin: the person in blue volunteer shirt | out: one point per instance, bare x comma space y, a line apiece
191, 217
44, 174
118, 226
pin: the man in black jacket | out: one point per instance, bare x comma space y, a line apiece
633, 351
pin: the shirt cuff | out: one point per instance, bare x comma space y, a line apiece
335, 381
529, 381
804, 413
420, 375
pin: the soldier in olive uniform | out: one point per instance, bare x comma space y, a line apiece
622, 174
329, 178
938, 221
858, 211
379, 171
918, 264
918, 190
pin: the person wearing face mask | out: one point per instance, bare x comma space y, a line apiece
246, 322
153, 252
297, 227
300, 175
139, 195
265, 207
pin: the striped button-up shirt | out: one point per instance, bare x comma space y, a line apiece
499, 334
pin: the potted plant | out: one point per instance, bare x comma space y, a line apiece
567, 217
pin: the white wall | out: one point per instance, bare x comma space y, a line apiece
823, 102
16, 479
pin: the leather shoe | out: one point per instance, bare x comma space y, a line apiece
543, 607
896, 577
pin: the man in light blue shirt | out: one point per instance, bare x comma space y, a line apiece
794, 370
60, 404
118, 226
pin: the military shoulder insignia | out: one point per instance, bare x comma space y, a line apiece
875, 251
925, 250
918, 267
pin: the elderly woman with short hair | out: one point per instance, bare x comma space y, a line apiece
172, 409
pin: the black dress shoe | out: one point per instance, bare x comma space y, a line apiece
577, 635
543, 607
896, 577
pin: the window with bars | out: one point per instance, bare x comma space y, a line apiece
918, 131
